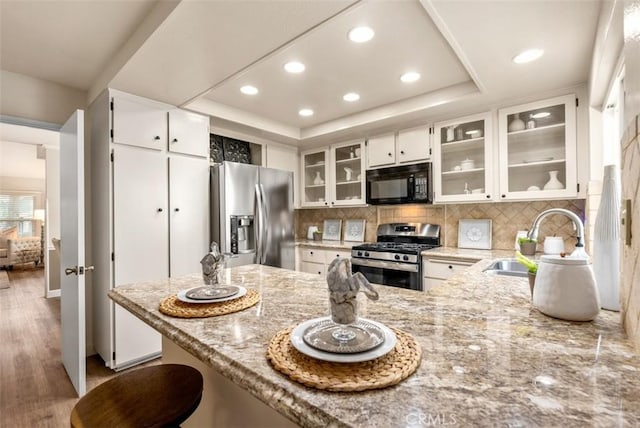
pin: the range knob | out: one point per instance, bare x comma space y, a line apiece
405, 258
366, 254
359, 253
397, 257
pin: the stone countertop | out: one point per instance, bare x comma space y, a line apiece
489, 358
328, 245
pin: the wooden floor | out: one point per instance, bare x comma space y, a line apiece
34, 388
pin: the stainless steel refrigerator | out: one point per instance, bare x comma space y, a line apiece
252, 214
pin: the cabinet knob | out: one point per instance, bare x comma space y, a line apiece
332, 202
319, 273
177, 209
504, 196
488, 196
450, 267
401, 152
159, 210
311, 252
175, 140
389, 153
326, 203
157, 137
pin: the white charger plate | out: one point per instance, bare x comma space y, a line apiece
298, 342
182, 296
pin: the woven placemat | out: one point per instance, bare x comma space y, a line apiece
390, 369
176, 308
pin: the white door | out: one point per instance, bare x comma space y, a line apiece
189, 214
72, 306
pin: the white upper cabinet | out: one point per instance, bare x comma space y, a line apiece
334, 176
139, 122
413, 145
315, 175
463, 159
188, 133
538, 158
347, 179
381, 150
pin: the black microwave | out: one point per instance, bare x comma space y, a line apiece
400, 185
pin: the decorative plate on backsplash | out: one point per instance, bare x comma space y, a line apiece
474, 234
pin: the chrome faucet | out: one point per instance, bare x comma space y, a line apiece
577, 223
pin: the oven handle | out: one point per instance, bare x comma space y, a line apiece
406, 267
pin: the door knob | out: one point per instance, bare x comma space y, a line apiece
69, 271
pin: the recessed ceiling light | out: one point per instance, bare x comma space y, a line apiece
294, 67
351, 96
249, 90
409, 77
361, 34
528, 56
541, 115
306, 112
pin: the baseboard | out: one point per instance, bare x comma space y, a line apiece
53, 293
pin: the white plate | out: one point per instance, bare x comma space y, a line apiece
182, 296
298, 342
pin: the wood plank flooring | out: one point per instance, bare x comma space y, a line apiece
35, 390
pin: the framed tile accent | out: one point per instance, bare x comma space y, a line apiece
474, 234
331, 230
354, 230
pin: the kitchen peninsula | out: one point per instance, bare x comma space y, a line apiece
488, 357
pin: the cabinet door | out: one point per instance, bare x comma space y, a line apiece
140, 221
188, 214
538, 150
315, 176
463, 159
347, 174
287, 159
315, 268
381, 150
139, 123
331, 255
188, 133
413, 145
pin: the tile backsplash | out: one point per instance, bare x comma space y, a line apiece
507, 218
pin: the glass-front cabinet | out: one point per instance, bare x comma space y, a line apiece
315, 174
538, 150
334, 175
462, 165
347, 170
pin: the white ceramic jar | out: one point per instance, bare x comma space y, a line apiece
565, 288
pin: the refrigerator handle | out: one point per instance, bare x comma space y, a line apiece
264, 229
259, 223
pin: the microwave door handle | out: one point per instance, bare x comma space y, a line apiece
411, 184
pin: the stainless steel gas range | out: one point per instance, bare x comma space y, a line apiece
395, 259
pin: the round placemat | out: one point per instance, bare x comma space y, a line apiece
176, 308
382, 372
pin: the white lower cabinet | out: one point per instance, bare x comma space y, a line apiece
435, 271
317, 261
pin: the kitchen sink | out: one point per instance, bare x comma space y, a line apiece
509, 267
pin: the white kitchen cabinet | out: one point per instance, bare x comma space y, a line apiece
188, 213
381, 151
334, 175
285, 158
463, 159
413, 145
137, 234
538, 158
188, 133
138, 122
317, 260
436, 270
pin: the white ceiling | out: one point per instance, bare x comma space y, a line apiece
199, 52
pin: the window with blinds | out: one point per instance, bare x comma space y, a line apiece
17, 210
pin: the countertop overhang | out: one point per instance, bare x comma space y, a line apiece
489, 357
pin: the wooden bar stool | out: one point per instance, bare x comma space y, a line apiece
157, 396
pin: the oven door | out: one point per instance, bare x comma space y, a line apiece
401, 275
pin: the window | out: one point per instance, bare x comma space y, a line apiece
17, 210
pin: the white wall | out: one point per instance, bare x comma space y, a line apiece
37, 99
